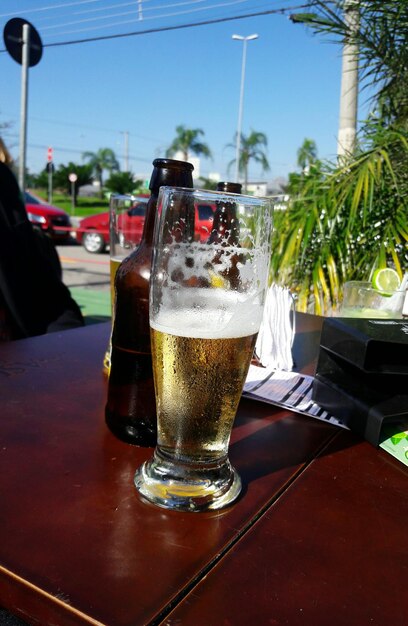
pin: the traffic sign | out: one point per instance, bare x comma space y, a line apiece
73, 177
13, 40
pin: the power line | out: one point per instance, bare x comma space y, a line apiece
131, 157
133, 11
86, 126
53, 7
136, 9
126, 4
80, 152
282, 11
44, 147
205, 171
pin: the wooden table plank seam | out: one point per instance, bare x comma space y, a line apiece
53, 599
181, 596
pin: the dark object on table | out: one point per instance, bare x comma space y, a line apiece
33, 298
362, 374
374, 345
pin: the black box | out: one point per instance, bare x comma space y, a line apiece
374, 345
362, 373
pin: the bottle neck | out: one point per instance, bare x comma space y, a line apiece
166, 172
148, 228
226, 224
225, 228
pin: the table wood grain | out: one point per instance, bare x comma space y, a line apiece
79, 545
332, 550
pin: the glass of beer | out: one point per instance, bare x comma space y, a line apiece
126, 219
206, 304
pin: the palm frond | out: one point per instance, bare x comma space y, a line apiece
343, 226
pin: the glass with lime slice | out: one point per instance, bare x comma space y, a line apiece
381, 298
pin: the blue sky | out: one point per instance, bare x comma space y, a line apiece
85, 96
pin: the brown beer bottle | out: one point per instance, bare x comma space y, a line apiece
225, 229
225, 232
131, 408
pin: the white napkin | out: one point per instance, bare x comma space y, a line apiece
275, 338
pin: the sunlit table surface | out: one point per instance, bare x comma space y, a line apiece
317, 537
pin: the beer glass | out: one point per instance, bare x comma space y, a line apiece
126, 218
206, 302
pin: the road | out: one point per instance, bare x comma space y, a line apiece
82, 269
87, 277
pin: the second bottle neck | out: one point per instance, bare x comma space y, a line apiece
148, 228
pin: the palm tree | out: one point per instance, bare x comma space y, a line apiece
61, 178
103, 159
251, 149
122, 182
307, 154
353, 217
188, 143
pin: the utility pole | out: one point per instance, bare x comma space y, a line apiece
24, 45
346, 139
126, 151
24, 98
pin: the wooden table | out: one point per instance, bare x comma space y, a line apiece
318, 536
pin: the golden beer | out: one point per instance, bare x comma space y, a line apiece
114, 264
198, 384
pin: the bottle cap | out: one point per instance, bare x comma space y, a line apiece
229, 187
180, 173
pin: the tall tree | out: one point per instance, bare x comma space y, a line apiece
61, 177
353, 218
122, 182
381, 38
307, 154
102, 159
252, 149
187, 141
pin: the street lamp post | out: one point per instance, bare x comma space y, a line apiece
126, 151
241, 98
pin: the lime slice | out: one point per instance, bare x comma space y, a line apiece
386, 280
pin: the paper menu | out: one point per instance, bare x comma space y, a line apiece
286, 389
293, 391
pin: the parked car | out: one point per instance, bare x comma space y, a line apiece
53, 221
93, 231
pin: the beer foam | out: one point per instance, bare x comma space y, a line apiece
208, 314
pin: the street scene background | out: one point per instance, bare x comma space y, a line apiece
87, 277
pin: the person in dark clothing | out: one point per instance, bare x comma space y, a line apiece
33, 298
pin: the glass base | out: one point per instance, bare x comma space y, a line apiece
187, 487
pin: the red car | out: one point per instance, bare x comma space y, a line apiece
53, 221
93, 231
